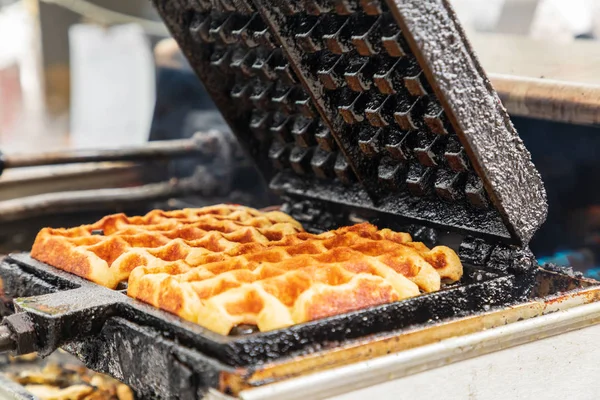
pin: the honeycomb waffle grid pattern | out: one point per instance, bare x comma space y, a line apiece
298, 279
280, 112
378, 99
108, 250
226, 265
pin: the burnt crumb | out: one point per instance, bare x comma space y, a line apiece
475, 251
428, 236
98, 232
228, 391
569, 271
243, 329
522, 261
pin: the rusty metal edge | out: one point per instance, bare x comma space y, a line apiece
554, 100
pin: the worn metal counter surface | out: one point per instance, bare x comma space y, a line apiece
543, 79
551, 355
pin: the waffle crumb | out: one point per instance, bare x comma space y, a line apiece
23, 358
68, 382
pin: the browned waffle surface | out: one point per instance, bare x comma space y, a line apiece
225, 265
300, 278
102, 252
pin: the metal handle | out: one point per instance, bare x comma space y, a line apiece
90, 200
200, 143
7, 341
17, 333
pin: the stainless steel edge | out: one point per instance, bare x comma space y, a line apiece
368, 373
213, 394
10, 390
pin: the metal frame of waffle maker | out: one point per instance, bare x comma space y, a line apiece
353, 110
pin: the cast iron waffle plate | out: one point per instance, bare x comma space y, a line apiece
380, 106
67, 305
161, 356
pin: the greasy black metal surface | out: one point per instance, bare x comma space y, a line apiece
22, 333
474, 108
80, 312
155, 366
322, 91
252, 84
161, 356
7, 340
401, 211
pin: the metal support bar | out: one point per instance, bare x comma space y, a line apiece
168, 149
89, 200
541, 78
19, 334
360, 375
549, 99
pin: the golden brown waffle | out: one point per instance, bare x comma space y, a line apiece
95, 251
297, 279
223, 266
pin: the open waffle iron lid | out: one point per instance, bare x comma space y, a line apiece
375, 105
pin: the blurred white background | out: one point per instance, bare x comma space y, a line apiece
52, 94
561, 20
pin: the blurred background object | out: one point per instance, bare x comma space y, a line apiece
112, 85
480, 16
555, 20
22, 105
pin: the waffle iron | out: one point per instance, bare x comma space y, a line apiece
353, 110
